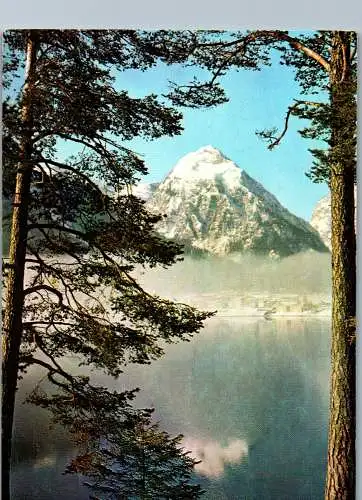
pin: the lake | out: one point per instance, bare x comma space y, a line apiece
250, 397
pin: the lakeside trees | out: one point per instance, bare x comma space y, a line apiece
138, 462
84, 98
325, 65
68, 284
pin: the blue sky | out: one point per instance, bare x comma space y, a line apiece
258, 100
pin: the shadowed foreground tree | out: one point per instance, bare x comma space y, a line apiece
69, 95
120, 452
141, 462
69, 291
325, 65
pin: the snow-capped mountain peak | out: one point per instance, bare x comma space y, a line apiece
321, 219
206, 163
214, 206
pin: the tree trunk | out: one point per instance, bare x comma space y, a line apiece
12, 322
340, 482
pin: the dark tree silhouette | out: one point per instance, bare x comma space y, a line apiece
325, 65
69, 288
141, 462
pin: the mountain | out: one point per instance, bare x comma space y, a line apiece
321, 219
144, 190
213, 206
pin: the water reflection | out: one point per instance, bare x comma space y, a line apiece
264, 383
213, 456
250, 397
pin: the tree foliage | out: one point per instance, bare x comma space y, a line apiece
138, 462
83, 244
326, 68
84, 236
308, 54
121, 453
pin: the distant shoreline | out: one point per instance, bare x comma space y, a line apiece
240, 314
262, 305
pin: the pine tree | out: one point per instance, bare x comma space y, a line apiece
323, 61
326, 68
69, 288
138, 462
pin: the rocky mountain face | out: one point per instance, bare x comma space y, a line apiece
144, 190
212, 206
321, 219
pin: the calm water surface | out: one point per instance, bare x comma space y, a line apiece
250, 397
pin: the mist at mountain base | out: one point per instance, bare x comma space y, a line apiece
306, 272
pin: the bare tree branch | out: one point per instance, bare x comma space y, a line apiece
49, 288
64, 323
295, 43
64, 166
290, 111
277, 35
64, 229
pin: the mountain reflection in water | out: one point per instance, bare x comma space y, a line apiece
249, 396
213, 457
